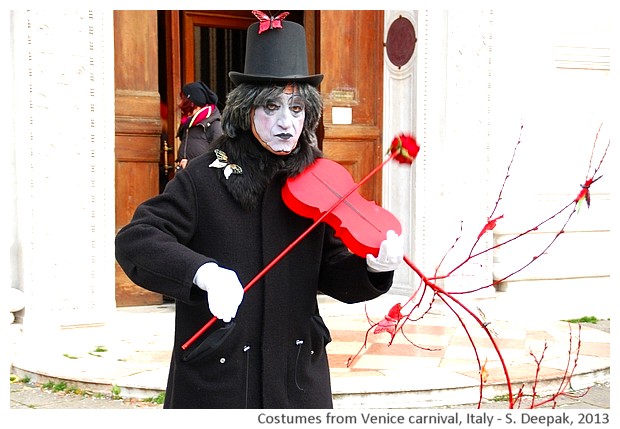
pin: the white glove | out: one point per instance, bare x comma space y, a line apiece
390, 255
224, 290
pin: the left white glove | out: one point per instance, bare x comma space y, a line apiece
224, 290
390, 255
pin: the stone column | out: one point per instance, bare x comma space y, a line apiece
442, 96
63, 104
399, 91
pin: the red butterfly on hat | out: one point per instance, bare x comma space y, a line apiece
268, 22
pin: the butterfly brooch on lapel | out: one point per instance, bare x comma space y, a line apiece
222, 162
269, 22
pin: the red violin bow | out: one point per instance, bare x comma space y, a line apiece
363, 235
307, 208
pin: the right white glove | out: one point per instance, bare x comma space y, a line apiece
224, 290
391, 253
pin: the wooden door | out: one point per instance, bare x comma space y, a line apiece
350, 55
138, 129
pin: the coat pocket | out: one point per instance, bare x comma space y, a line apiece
311, 360
320, 328
210, 343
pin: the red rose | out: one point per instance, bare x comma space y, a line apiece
406, 148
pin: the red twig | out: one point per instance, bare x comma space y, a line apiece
569, 370
448, 297
443, 295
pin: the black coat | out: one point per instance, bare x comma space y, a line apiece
275, 356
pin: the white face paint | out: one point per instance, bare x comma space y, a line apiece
278, 124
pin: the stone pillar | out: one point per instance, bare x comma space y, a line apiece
63, 103
443, 97
399, 91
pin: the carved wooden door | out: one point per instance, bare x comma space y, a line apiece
351, 58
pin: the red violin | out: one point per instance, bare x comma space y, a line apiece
326, 189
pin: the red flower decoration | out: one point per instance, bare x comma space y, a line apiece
388, 324
406, 148
491, 224
584, 194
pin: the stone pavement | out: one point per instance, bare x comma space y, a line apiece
129, 356
35, 396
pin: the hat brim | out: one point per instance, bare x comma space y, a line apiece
238, 78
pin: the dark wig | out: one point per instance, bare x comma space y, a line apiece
236, 115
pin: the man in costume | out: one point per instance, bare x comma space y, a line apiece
222, 219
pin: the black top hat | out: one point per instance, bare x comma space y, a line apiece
199, 93
277, 55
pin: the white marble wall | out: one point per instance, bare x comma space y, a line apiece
555, 79
62, 253
476, 77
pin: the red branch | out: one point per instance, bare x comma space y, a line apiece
395, 320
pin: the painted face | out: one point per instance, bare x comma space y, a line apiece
278, 124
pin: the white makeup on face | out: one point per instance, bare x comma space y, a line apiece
278, 124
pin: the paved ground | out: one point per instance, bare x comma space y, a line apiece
26, 395
32, 396
598, 396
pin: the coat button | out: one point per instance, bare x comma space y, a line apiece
222, 360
